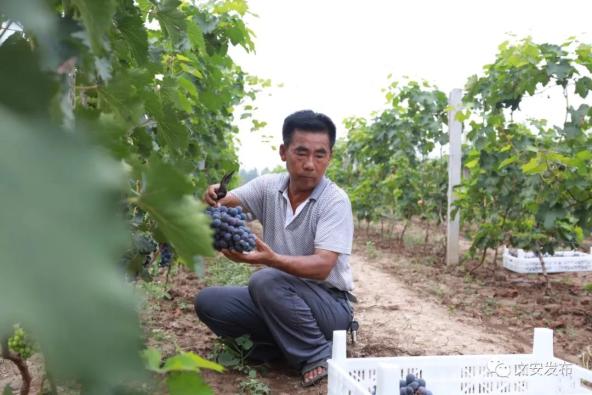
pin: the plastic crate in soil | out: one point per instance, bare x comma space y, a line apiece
539, 373
521, 261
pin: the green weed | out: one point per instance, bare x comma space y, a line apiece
155, 290
233, 354
222, 271
253, 386
371, 251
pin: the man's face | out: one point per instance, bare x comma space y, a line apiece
307, 157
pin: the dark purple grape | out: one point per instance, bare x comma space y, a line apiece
410, 378
421, 382
147, 260
229, 229
166, 254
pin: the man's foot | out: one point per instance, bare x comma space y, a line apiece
313, 373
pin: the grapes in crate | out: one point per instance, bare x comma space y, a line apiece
230, 231
412, 385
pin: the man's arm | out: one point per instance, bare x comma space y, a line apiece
316, 266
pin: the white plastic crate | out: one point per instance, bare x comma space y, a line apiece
539, 373
561, 261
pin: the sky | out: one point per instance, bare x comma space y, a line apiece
334, 56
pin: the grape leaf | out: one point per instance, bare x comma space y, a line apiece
187, 383
583, 86
97, 17
33, 90
172, 20
196, 37
188, 361
60, 240
129, 22
152, 358
168, 197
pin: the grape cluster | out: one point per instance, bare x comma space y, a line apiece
412, 385
21, 343
166, 254
230, 231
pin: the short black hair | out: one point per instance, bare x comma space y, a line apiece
308, 121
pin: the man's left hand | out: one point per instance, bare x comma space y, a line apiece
262, 254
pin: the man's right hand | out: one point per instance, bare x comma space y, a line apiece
210, 196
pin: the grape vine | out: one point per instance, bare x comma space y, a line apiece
117, 104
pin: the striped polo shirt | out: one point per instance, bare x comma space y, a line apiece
324, 221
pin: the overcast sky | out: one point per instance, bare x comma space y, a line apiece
334, 56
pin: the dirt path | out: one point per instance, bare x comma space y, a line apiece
396, 319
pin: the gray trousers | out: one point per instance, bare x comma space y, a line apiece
283, 314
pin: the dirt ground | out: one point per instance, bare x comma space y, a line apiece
410, 303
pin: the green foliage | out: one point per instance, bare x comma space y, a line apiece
167, 198
21, 343
529, 184
222, 271
233, 354
60, 241
253, 386
384, 164
181, 371
371, 251
120, 106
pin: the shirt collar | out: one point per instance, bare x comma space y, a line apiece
316, 192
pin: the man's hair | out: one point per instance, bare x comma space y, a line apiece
308, 121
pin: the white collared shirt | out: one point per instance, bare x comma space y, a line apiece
290, 213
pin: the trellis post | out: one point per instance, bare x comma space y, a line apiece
454, 169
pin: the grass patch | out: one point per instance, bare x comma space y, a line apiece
222, 271
371, 250
412, 239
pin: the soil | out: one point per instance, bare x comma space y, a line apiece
410, 303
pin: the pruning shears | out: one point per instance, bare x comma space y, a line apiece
222, 189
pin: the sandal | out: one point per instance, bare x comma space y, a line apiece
308, 368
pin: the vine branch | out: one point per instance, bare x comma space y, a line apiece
20, 363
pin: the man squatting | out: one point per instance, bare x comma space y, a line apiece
292, 306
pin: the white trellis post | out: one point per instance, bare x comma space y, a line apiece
454, 168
